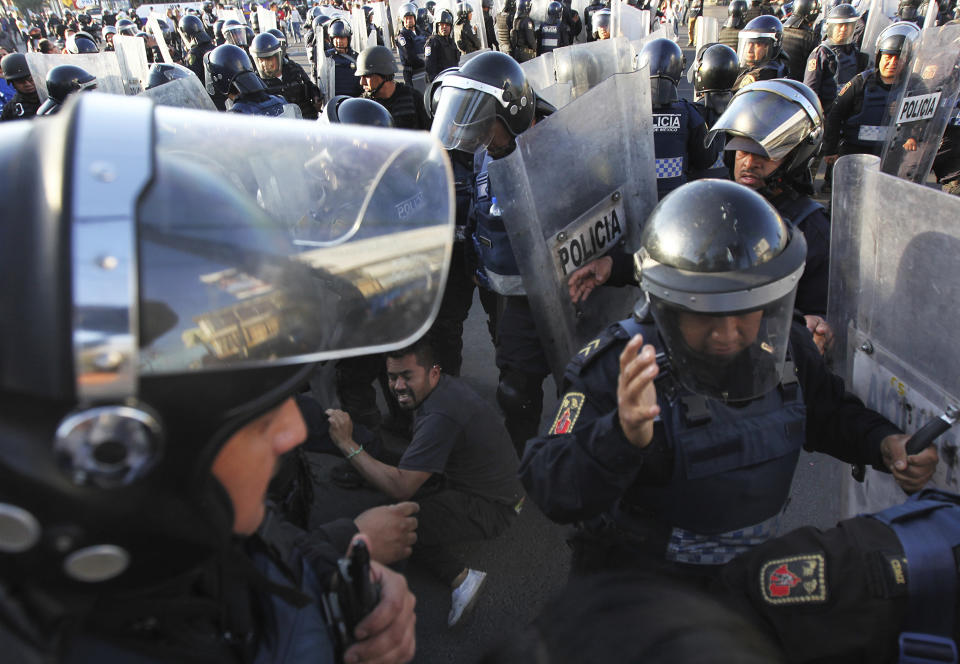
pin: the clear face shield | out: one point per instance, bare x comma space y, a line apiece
754, 48
466, 113
268, 66
840, 31
236, 35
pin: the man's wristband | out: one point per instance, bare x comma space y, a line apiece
355, 453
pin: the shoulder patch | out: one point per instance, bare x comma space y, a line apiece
401, 40
567, 413
846, 86
589, 348
812, 64
427, 50
747, 80
794, 580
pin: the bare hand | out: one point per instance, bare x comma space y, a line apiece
636, 395
821, 331
911, 472
386, 636
910, 145
341, 429
831, 158
595, 273
391, 530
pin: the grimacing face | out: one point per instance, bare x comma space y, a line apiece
720, 336
410, 382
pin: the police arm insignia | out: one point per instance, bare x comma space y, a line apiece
567, 413
812, 64
794, 580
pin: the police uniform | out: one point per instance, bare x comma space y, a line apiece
799, 41
729, 36
808, 216
855, 123
466, 37
830, 67
410, 45
257, 103
550, 37
523, 39
718, 169
678, 145
345, 72
715, 476
440, 53
20, 108
776, 68
295, 87
195, 58
588, 13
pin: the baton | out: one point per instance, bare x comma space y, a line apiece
922, 439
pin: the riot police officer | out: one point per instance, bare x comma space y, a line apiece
107, 35
344, 59
504, 24
774, 128
759, 51
799, 38
486, 104
488, 26
523, 35
553, 33
376, 68
588, 12
357, 110
855, 124
234, 32
410, 44
198, 44
284, 77
678, 128
908, 10
26, 101
715, 73
601, 24
734, 23
837, 60
464, 35
441, 52
62, 81
640, 453
230, 73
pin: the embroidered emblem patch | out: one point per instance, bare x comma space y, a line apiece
567, 414
589, 348
794, 580
845, 87
812, 65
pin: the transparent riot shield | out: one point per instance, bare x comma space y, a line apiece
326, 75
132, 56
707, 31
337, 237
266, 19
628, 21
382, 21
232, 13
153, 27
880, 16
104, 66
540, 71
584, 66
559, 219
930, 20
358, 24
186, 92
894, 287
558, 94
926, 102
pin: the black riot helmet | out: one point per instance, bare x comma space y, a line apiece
892, 44
736, 14
62, 81
464, 10
720, 268
446, 16
554, 12
763, 31
840, 24
779, 119
376, 60
163, 72
665, 60
15, 67
466, 101
77, 44
431, 6
424, 19
282, 38
357, 110
175, 311
409, 9
235, 32
523, 8
907, 10
716, 72
228, 69
266, 48
804, 9
218, 31
192, 30
601, 19
339, 28
126, 27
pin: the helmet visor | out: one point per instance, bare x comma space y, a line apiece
236, 35
754, 48
464, 119
777, 125
840, 31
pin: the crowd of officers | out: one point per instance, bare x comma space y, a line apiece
608, 463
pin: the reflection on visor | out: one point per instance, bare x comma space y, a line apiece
236, 36
464, 119
777, 127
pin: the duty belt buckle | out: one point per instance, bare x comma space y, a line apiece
917, 648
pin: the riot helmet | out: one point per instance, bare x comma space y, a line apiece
376, 60
554, 12
108, 33
218, 31
62, 81
804, 9
409, 9
908, 10
267, 54
464, 10
282, 38
469, 100
782, 117
716, 72
719, 268
235, 33
77, 44
759, 41
431, 6
162, 72
339, 29
897, 39
523, 8
126, 27
15, 67
229, 70
840, 24
424, 19
601, 24
736, 14
446, 16
192, 30
665, 60
357, 110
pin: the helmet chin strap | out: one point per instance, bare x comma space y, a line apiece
373, 93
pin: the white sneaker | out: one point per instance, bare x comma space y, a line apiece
464, 596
